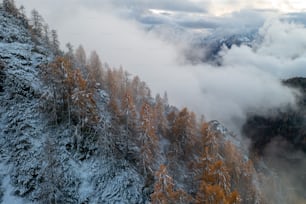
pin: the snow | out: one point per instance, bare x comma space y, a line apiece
25, 134
8, 196
20, 60
227, 135
7, 190
11, 31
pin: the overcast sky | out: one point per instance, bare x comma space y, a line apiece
248, 78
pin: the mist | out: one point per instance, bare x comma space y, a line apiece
286, 184
248, 80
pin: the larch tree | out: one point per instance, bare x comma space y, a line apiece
164, 190
192, 135
54, 76
60, 76
249, 193
83, 101
147, 137
68, 84
140, 91
129, 117
121, 78
81, 60
112, 88
128, 110
135, 85
171, 117
144, 90
72, 100
111, 83
214, 183
236, 165
95, 69
182, 131
160, 116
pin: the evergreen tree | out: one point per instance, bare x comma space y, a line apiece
10, 7
55, 45
46, 34
37, 23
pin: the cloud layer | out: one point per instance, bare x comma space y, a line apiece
248, 79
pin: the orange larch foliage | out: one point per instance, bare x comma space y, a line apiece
184, 130
164, 190
112, 87
112, 83
148, 138
128, 110
82, 99
215, 180
241, 172
96, 71
215, 185
71, 91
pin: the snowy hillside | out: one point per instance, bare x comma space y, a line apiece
75, 130
36, 163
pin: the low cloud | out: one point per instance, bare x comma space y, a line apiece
281, 52
286, 183
249, 79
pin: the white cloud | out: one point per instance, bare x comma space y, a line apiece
249, 79
281, 53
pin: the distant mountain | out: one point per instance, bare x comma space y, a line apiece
204, 45
214, 43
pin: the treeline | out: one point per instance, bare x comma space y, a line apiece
182, 158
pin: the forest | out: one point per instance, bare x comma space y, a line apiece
181, 157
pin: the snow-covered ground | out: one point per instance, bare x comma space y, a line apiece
26, 136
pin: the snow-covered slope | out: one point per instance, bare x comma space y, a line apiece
36, 163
